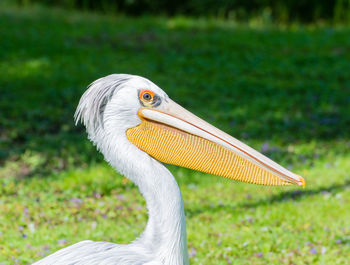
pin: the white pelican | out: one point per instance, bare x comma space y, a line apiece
135, 125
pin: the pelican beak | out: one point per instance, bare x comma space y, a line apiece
175, 136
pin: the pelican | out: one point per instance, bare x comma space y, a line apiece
136, 126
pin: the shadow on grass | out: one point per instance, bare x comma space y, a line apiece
274, 199
297, 195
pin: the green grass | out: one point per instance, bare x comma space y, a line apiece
283, 90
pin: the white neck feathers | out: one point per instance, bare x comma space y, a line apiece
165, 233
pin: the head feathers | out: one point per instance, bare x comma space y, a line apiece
92, 104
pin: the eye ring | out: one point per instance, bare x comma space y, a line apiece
146, 96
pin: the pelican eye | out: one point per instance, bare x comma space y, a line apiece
149, 99
146, 96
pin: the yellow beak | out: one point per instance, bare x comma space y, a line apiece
175, 136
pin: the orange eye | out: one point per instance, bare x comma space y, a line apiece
146, 95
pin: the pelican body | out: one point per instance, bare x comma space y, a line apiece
136, 126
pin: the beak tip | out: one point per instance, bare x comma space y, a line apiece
301, 182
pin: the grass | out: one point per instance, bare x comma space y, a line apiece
283, 90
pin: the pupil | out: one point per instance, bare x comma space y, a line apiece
146, 96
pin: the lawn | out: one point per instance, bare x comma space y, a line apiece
284, 90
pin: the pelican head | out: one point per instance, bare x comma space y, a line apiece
134, 110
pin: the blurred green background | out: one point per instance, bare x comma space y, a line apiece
274, 74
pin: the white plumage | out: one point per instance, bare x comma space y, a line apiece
108, 109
